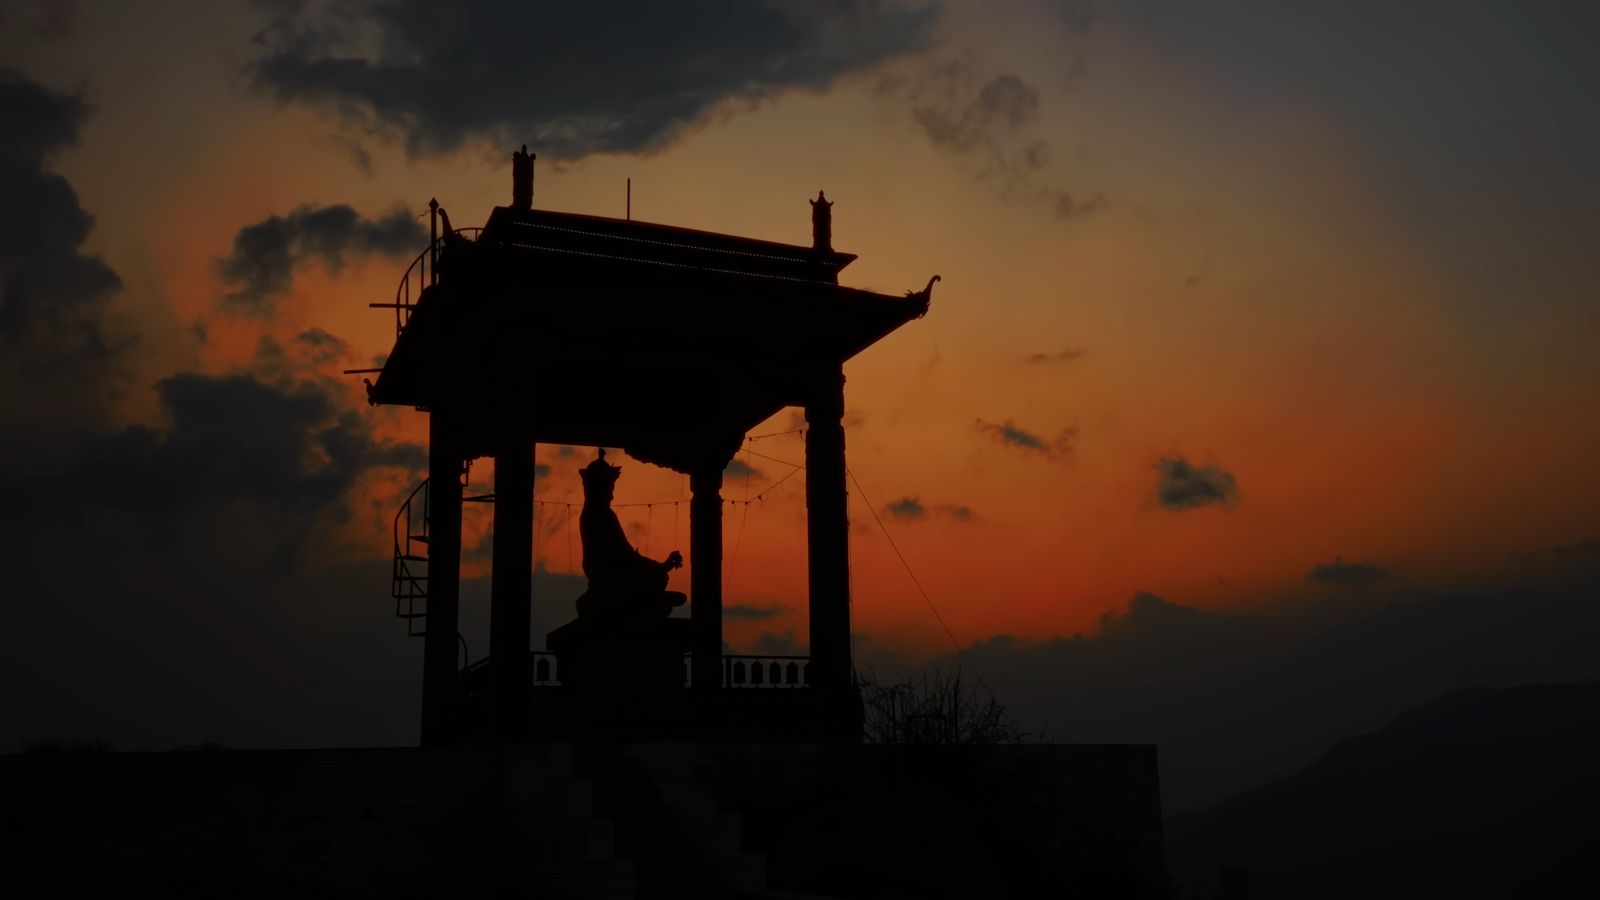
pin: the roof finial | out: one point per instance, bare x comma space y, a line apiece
522, 178
822, 223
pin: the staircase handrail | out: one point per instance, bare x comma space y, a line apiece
403, 303
408, 587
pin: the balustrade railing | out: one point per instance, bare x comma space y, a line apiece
738, 671
545, 673
741, 671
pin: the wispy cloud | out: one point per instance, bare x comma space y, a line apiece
753, 611
1588, 549
738, 468
1346, 574
912, 509
1067, 355
1010, 434
990, 119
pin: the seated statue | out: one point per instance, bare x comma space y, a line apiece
624, 584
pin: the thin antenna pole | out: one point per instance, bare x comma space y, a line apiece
630, 199
433, 240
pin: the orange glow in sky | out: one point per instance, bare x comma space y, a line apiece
1239, 286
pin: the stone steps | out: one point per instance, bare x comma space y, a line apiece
674, 767
571, 851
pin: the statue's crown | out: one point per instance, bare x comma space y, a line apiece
599, 472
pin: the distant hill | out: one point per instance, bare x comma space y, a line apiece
1480, 793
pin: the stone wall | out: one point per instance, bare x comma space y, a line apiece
306, 823
948, 820
552, 819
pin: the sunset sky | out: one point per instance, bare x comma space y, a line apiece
1267, 309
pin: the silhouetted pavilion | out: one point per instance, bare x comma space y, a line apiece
667, 342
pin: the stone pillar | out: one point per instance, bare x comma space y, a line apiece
440, 647
828, 535
705, 585
511, 581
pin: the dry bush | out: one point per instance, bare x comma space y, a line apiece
934, 706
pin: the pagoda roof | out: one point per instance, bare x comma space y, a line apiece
622, 333
650, 243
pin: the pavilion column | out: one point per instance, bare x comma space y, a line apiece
828, 535
440, 649
705, 582
511, 581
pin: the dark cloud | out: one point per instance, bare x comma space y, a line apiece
1588, 550
1150, 616
1009, 434
51, 294
308, 356
1346, 574
1183, 485
190, 578
234, 437
152, 644
1067, 355
322, 347
193, 579
906, 508
912, 509
266, 254
566, 79
771, 643
1582, 551
738, 468
751, 611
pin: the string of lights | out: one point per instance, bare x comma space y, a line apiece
797, 466
773, 434
754, 498
961, 655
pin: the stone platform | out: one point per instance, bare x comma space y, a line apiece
562, 819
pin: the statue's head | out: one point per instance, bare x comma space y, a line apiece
599, 478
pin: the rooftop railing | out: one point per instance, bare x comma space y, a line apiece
424, 271
740, 671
